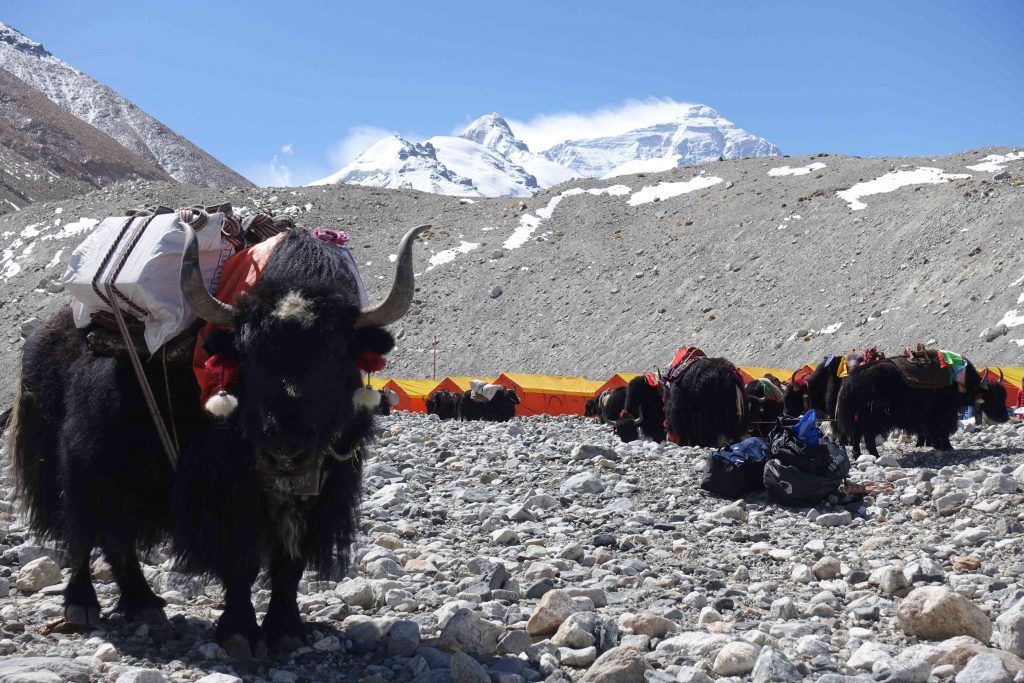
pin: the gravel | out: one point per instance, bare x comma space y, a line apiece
677, 585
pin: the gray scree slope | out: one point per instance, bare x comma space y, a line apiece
603, 286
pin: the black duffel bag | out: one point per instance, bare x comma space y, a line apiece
735, 471
792, 483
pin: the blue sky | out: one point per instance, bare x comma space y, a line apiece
303, 85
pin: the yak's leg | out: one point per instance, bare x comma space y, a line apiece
81, 607
237, 630
282, 624
870, 440
138, 602
855, 440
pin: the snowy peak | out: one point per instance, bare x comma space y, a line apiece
397, 163
19, 41
110, 113
697, 136
494, 133
487, 158
444, 164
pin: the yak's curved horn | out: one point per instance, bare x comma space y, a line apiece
402, 289
1000, 374
640, 413
203, 304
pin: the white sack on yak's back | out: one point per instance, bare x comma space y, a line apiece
364, 397
221, 404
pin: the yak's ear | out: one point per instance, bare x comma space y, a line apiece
375, 339
219, 341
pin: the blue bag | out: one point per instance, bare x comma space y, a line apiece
807, 428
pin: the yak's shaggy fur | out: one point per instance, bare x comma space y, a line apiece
93, 473
706, 405
874, 401
644, 403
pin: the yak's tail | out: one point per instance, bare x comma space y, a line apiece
24, 421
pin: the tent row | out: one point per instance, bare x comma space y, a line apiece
559, 395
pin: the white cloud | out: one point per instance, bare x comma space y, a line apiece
546, 130
287, 149
356, 141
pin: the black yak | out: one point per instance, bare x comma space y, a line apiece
643, 410
444, 404
500, 408
607, 405
919, 398
272, 478
706, 405
764, 405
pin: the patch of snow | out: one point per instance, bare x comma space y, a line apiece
831, 329
529, 223
662, 191
798, 170
31, 231
449, 255
994, 163
58, 210
466, 200
55, 261
889, 182
392, 257
1012, 318
16, 207
72, 229
655, 165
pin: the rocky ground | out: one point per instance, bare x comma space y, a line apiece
766, 270
543, 549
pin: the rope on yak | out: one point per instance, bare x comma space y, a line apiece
122, 325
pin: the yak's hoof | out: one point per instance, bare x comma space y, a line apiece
154, 616
80, 615
239, 647
287, 644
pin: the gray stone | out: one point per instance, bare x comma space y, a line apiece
403, 638
774, 667
475, 635
1010, 629
834, 518
618, 665
37, 575
984, 668
465, 669
584, 482
736, 659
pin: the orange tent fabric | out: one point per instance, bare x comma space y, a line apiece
412, 393
619, 379
547, 394
457, 384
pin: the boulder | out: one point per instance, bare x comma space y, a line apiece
937, 613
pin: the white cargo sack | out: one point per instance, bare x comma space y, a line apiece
151, 273
482, 392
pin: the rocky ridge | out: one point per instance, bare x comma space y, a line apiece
109, 112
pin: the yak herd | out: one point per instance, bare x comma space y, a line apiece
701, 401
268, 472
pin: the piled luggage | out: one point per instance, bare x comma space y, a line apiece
796, 466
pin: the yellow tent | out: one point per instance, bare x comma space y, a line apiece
412, 393
457, 384
751, 373
548, 394
619, 379
377, 382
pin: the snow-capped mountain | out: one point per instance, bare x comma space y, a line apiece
105, 110
487, 159
494, 133
397, 163
697, 136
